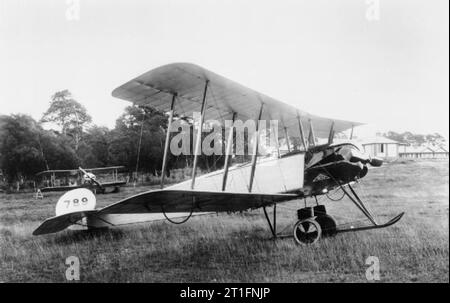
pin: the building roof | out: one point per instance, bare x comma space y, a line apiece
424, 149
440, 148
378, 140
416, 149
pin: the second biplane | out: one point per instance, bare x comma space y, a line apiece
310, 171
69, 179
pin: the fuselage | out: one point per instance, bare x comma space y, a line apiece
315, 172
329, 166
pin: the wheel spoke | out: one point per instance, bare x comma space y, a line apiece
307, 231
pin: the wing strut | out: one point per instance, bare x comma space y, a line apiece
287, 138
302, 134
166, 145
311, 137
331, 135
275, 133
199, 136
351, 134
255, 149
273, 228
228, 153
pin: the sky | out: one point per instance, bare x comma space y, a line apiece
381, 62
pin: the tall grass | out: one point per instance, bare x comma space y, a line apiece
237, 247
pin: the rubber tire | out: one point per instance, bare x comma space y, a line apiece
327, 224
300, 239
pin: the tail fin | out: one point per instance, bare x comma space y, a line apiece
75, 200
73, 207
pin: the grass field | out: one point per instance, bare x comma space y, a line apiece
237, 247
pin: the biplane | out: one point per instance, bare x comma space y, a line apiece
313, 170
69, 179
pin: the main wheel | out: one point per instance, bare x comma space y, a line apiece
307, 231
327, 224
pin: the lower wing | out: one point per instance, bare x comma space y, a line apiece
172, 203
193, 201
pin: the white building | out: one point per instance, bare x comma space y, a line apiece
424, 152
381, 147
385, 148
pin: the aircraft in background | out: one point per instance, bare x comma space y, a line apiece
311, 171
69, 179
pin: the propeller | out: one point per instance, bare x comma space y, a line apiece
377, 162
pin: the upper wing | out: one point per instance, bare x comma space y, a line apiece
75, 171
58, 171
224, 97
95, 169
192, 201
113, 183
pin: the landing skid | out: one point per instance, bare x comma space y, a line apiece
314, 222
354, 229
387, 224
357, 201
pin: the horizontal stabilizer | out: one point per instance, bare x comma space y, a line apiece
61, 222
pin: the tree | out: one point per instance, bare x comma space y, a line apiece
415, 139
124, 144
94, 149
57, 151
20, 149
395, 136
68, 114
26, 148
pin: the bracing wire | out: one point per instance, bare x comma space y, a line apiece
139, 144
182, 221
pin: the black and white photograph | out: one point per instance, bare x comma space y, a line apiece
209, 143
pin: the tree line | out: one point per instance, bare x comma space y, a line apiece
415, 139
66, 138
